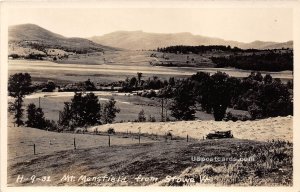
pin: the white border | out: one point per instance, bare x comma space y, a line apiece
149, 4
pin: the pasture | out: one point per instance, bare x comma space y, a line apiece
21, 141
130, 105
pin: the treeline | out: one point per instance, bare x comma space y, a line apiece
42, 46
137, 83
259, 62
184, 49
261, 96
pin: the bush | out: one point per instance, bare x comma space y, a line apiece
111, 131
50, 86
231, 117
141, 116
255, 111
151, 119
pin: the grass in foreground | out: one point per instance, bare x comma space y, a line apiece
272, 165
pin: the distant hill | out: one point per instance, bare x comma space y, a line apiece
34, 37
138, 40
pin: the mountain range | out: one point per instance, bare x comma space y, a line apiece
34, 36
137, 40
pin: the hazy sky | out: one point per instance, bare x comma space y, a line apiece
232, 24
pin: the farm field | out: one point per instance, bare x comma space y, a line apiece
117, 65
130, 105
277, 128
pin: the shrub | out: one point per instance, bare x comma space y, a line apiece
151, 119
141, 116
255, 111
111, 131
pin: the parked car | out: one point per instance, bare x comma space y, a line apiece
219, 135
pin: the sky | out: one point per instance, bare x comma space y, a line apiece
243, 24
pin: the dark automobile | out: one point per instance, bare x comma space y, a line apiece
219, 135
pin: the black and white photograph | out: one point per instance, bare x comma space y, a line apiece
127, 96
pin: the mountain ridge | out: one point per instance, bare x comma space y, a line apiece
137, 40
34, 36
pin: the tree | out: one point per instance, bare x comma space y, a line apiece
35, 117
109, 111
83, 110
139, 75
65, 117
202, 85
133, 81
268, 79
18, 86
50, 86
141, 116
89, 86
183, 106
220, 94
275, 100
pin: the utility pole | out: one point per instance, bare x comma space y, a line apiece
162, 109
166, 109
39, 102
59, 116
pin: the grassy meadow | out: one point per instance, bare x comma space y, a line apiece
130, 105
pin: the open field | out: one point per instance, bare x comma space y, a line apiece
262, 130
21, 140
117, 65
130, 105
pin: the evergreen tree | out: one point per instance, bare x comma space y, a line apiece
35, 117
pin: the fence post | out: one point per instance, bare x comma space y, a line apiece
139, 135
34, 149
74, 143
109, 140
187, 138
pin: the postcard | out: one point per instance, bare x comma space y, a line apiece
196, 95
